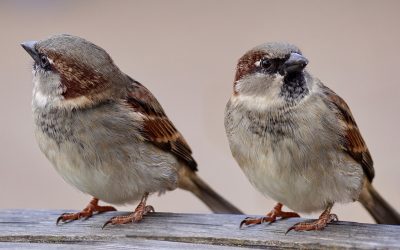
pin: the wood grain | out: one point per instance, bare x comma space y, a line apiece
36, 229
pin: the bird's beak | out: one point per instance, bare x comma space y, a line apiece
30, 48
295, 63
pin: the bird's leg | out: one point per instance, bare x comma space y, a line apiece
270, 217
86, 213
324, 219
141, 210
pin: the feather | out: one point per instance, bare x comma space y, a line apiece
157, 128
353, 142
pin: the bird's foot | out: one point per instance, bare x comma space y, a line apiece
141, 210
319, 224
271, 216
86, 213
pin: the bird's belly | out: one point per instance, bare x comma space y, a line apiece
302, 185
296, 193
112, 181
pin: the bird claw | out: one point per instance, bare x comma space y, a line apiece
248, 221
136, 216
60, 218
85, 213
318, 224
107, 222
270, 218
69, 217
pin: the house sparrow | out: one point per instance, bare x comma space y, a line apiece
105, 133
297, 141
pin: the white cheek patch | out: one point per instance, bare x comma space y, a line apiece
40, 99
48, 92
271, 98
258, 102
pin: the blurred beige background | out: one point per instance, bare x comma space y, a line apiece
185, 52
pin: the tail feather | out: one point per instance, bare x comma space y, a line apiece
190, 181
379, 209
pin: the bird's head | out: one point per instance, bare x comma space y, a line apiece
273, 72
71, 72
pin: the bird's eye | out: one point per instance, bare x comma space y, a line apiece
44, 62
266, 63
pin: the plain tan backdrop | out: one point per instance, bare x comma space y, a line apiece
185, 52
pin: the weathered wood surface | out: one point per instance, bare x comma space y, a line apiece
36, 229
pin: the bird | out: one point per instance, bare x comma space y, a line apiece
105, 133
297, 141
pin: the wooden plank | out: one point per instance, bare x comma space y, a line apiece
37, 229
132, 244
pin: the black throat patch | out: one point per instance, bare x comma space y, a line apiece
294, 87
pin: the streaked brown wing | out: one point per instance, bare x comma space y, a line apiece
157, 128
353, 142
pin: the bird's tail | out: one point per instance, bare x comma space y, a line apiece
190, 181
379, 209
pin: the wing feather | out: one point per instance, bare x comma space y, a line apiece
157, 128
353, 142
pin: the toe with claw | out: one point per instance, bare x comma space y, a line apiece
86, 213
319, 224
271, 216
141, 210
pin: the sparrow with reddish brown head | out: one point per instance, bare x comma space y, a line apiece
105, 133
297, 141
